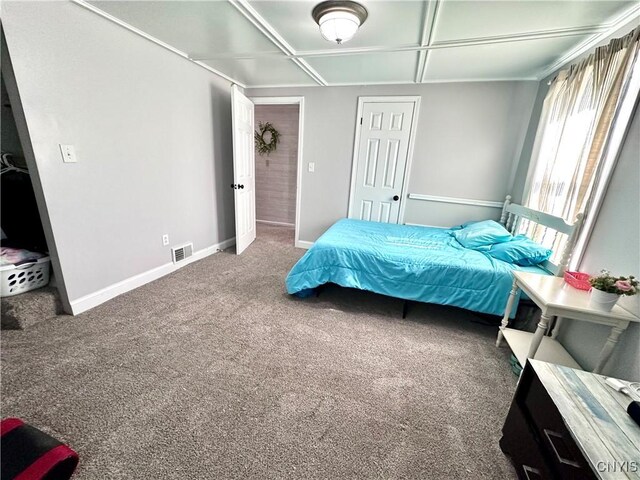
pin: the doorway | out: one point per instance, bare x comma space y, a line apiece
277, 173
27, 295
385, 133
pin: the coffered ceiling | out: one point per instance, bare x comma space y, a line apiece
277, 43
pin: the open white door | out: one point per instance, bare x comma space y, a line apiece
244, 181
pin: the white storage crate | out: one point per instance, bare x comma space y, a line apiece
17, 279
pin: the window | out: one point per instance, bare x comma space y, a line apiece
583, 113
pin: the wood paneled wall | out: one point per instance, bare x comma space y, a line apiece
276, 173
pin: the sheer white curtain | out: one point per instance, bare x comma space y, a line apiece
577, 118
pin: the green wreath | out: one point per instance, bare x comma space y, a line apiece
261, 144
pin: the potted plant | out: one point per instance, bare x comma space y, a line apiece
606, 289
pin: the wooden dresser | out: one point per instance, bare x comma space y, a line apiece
568, 424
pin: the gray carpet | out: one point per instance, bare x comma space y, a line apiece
215, 372
28, 308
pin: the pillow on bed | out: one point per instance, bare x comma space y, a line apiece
466, 224
478, 234
470, 222
520, 250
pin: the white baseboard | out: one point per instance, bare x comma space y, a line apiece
277, 224
94, 299
224, 244
304, 244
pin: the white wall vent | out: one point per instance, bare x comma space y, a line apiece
181, 253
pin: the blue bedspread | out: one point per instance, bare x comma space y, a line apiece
413, 263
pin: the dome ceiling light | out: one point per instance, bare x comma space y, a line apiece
339, 20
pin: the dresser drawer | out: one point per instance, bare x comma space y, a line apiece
572, 421
559, 448
526, 459
520, 443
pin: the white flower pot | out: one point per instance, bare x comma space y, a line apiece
603, 301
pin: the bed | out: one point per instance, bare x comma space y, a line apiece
424, 264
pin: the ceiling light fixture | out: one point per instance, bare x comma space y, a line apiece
339, 20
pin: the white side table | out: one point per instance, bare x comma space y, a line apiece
556, 298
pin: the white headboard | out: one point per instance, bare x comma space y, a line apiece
513, 216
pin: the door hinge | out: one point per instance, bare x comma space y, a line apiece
360, 120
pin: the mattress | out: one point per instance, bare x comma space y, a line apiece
424, 264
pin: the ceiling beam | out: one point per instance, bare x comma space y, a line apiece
520, 37
425, 38
467, 42
470, 42
610, 28
316, 53
597, 34
271, 33
429, 40
158, 42
436, 81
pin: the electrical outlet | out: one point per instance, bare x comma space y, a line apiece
312, 167
68, 153
165, 240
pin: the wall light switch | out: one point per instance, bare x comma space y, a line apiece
68, 153
312, 167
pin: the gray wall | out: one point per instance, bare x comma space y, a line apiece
614, 244
276, 172
468, 140
151, 132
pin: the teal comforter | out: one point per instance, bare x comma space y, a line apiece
413, 263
